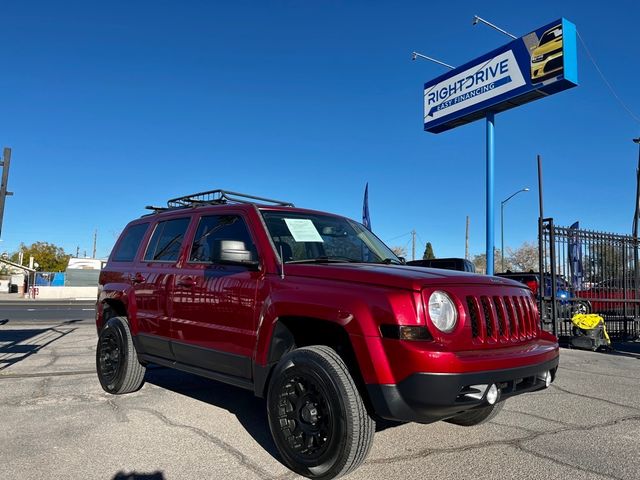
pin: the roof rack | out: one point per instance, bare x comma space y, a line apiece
218, 197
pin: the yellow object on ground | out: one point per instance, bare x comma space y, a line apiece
589, 321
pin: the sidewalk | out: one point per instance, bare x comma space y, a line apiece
14, 297
11, 297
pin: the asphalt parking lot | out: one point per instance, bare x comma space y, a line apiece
58, 423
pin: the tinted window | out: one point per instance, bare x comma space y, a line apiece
166, 240
551, 35
308, 237
128, 246
215, 229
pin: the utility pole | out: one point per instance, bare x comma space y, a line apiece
95, 240
466, 241
413, 244
78, 251
6, 160
636, 264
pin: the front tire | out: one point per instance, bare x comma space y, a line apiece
117, 365
477, 416
316, 415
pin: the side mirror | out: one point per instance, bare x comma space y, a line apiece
233, 252
403, 260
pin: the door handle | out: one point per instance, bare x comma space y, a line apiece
137, 278
186, 282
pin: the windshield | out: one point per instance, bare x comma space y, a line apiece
307, 238
551, 35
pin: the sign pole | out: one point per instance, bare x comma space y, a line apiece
490, 172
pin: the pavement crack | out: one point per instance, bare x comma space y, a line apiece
231, 450
515, 427
121, 416
590, 397
515, 442
598, 373
565, 464
540, 417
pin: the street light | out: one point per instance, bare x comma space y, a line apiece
477, 19
416, 55
525, 189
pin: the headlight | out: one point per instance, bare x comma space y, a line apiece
537, 58
442, 311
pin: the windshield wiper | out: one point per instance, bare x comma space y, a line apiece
388, 261
326, 259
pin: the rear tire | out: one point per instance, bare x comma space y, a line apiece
581, 307
117, 365
316, 415
477, 416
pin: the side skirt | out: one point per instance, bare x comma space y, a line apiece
220, 377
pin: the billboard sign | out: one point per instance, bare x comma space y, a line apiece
536, 65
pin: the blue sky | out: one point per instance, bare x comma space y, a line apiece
116, 105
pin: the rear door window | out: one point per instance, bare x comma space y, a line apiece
128, 246
166, 241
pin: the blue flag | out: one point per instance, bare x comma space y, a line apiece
366, 220
575, 257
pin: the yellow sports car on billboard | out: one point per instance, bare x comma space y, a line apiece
546, 58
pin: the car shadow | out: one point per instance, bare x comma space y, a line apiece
250, 410
627, 349
17, 345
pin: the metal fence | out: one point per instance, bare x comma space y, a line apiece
589, 271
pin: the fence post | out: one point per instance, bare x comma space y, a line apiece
636, 282
541, 258
541, 249
554, 287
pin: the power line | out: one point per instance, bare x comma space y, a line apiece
604, 79
404, 234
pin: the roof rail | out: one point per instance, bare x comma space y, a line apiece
219, 197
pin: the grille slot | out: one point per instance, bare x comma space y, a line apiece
488, 317
473, 315
502, 317
500, 312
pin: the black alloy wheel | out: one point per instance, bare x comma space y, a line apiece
117, 365
306, 417
316, 415
110, 356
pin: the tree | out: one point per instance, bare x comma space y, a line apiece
428, 252
523, 258
50, 258
399, 251
480, 262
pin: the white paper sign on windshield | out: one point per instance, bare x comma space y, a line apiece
303, 230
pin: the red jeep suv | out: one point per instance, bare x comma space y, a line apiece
313, 312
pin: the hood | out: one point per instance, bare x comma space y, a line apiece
395, 276
551, 46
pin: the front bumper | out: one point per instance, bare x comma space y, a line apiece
428, 397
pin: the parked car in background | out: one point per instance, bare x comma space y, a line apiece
609, 296
566, 298
460, 264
